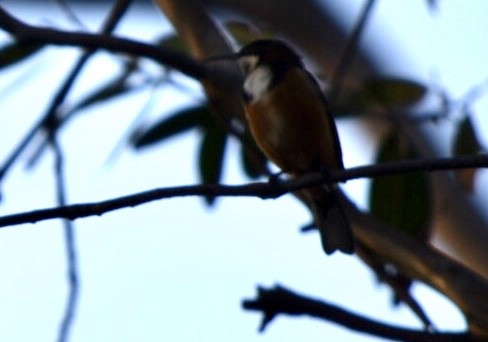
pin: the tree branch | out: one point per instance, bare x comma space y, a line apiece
279, 300
25, 33
416, 260
351, 46
264, 190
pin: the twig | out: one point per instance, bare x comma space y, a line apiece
115, 14
70, 245
351, 45
25, 33
262, 190
50, 122
10, 23
397, 283
70, 14
279, 300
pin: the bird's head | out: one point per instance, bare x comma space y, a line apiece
268, 52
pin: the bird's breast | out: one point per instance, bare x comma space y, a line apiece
289, 122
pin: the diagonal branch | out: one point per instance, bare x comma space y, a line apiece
349, 51
25, 33
279, 300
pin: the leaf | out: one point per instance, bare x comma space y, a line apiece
177, 123
211, 156
253, 160
387, 92
116, 87
401, 200
173, 42
13, 53
393, 92
466, 142
105, 93
348, 102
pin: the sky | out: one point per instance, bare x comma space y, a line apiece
176, 269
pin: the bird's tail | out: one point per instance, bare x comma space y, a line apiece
335, 231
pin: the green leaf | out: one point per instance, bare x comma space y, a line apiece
211, 156
401, 200
13, 53
348, 102
466, 142
119, 85
393, 92
177, 123
105, 93
173, 42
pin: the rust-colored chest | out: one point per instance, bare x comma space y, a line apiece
290, 124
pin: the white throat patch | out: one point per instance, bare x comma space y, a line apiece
258, 82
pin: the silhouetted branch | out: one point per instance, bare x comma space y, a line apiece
352, 44
70, 245
52, 113
398, 283
264, 190
51, 116
279, 300
25, 33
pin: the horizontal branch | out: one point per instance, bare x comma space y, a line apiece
279, 300
27, 34
272, 189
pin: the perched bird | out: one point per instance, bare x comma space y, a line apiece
288, 117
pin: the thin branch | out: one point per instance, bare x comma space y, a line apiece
399, 287
262, 190
70, 245
25, 33
50, 122
70, 14
115, 15
351, 45
279, 300
417, 260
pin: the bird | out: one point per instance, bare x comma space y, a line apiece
288, 117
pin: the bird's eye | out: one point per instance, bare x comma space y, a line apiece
248, 63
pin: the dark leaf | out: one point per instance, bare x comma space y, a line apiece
393, 92
466, 142
113, 88
348, 102
211, 156
386, 92
105, 93
401, 200
173, 42
168, 127
253, 160
13, 53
